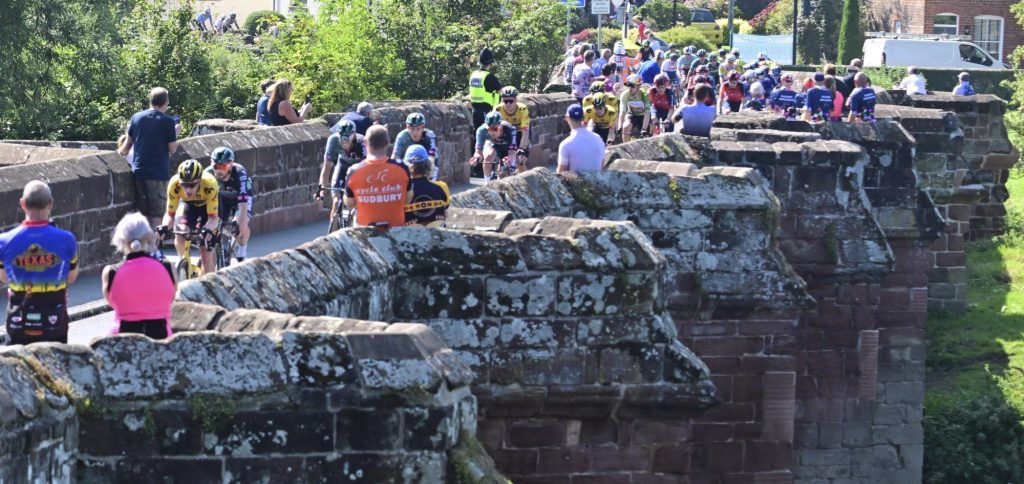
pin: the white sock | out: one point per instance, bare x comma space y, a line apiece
240, 251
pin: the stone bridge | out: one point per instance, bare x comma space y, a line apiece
748, 308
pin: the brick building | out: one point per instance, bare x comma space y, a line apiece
989, 23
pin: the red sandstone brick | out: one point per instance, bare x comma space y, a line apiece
566, 460
779, 406
840, 339
561, 479
710, 432
515, 461
767, 327
748, 431
730, 412
737, 478
729, 346
863, 317
955, 242
536, 433
620, 478
766, 456
761, 364
491, 433
725, 457
674, 459
747, 388
951, 259
774, 477
599, 431
825, 363
615, 458
647, 432
724, 385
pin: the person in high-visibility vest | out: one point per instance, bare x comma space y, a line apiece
484, 88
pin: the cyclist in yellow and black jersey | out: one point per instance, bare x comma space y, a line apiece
519, 117
200, 193
601, 117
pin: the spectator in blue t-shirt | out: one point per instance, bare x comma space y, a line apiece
362, 118
154, 136
819, 100
783, 100
698, 117
862, 100
649, 69
262, 113
964, 88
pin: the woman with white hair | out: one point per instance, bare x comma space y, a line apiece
141, 287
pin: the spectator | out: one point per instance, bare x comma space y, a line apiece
819, 100
670, 67
381, 195
964, 88
649, 69
612, 79
152, 137
603, 60
582, 76
484, 88
641, 28
862, 100
282, 112
851, 71
841, 86
145, 286
262, 113
913, 83
757, 102
698, 117
362, 118
38, 262
837, 99
430, 198
583, 150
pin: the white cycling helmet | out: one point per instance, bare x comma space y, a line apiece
619, 48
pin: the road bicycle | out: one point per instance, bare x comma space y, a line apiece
228, 243
343, 216
189, 267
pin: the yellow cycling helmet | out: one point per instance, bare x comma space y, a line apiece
190, 171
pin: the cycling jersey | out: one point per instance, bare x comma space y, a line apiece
355, 153
207, 195
404, 140
661, 101
379, 188
732, 94
862, 103
236, 189
505, 143
635, 104
430, 201
819, 103
521, 117
37, 258
605, 120
784, 101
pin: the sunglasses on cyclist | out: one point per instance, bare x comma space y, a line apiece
508, 101
493, 128
630, 85
189, 185
221, 166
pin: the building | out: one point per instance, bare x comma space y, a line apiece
989, 23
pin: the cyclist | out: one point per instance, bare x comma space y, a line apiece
226, 23
689, 55
601, 117
739, 60
416, 133
199, 192
728, 66
494, 139
520, 118
345, 147
430, 199
235, 192
634, 109
671, 68
596, 87
702, 59
731, 94
713, 66
783, 99
201, 20
663, 101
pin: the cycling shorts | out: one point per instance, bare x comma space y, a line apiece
338, 177
734, 106
602, 132
500, 151
195, 216
637, 125
227, 211
660, 114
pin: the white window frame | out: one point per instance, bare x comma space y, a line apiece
1002, 33
956, 26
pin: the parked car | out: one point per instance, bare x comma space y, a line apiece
924, 52
704, 21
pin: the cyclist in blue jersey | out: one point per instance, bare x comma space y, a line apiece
345, 148
783, 99
416, 133
430, 199
495, 139
819, 100
862, 100
37, 262
203, 17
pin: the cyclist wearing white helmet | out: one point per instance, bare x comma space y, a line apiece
634, 109
416, 133
235, 191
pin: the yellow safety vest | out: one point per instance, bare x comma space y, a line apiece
477, 92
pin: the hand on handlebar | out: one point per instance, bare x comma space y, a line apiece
208, 239
475, 160
163, 230
319, 193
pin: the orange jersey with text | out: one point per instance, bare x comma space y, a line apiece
379, 188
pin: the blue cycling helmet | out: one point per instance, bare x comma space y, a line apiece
345, 128
416, 154
492, 118
415, 119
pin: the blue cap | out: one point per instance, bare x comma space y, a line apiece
575, 112
416, 154
819, 77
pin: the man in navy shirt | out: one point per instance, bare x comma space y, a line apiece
819, 100
262, 113
362, 117
649, 70
154, 136
862, 100
783, 99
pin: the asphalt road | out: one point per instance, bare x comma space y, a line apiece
86, 291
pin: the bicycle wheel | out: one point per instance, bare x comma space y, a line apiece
182, 270
224, 252
335, 224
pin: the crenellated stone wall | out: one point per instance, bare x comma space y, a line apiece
355, 402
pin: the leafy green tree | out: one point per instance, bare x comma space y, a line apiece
851, 38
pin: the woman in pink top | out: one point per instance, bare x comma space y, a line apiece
837, 99
141, 287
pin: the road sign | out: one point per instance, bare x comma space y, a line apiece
576, 3
600, 7
617, 3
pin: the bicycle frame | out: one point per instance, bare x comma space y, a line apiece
187, 268
227, 232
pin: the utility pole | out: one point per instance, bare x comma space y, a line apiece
794, 30
729, 40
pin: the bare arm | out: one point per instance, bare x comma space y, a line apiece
73, 276
104, 278
286, 111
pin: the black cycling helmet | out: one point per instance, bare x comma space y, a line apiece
190, 171
222, 155
415, 119
702, 53
599, 101
346, 128
492, 118
509, 91
596, 87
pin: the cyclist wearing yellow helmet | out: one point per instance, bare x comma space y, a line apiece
200, 193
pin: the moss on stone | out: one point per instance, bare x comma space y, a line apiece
470, 464
831, 242
675, 190
49, 381
212, 411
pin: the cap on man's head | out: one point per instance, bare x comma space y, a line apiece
575, 111
364, 108
416, 154
819, 77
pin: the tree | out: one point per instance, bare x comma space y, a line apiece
851, 39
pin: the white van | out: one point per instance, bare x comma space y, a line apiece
923, 52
